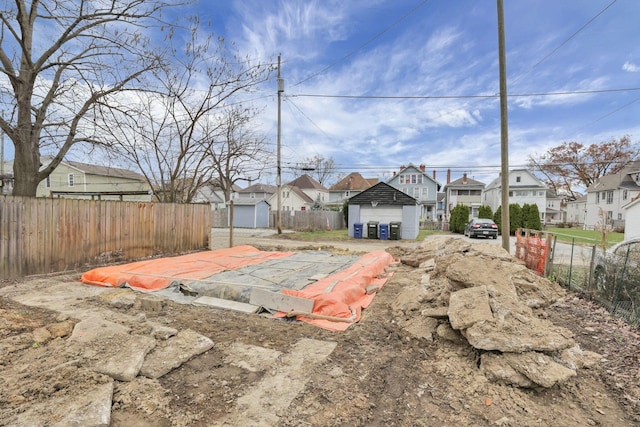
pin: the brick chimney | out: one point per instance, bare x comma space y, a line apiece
464, 178
448, 176
434, 174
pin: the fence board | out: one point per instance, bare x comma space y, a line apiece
39, 235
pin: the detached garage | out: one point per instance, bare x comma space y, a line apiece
385, 204
250, 213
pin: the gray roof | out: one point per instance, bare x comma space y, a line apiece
383, 194
259, 188
105, 171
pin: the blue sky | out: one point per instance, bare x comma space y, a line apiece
438, 48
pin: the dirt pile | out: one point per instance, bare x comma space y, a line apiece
478, 295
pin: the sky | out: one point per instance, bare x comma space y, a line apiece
445, 53
377, 84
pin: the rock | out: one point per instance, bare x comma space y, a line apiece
575, 358
538, 368
124, 362
518, 335
428, 265
94, 328
160, 332
149, 303
61, 329
469, 306
436, 312
125, 301
41, 335
409, 299
421, 327
173, 352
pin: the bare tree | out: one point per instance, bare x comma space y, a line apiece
176, 135
62, 59
571, 165
240, 152
320, 168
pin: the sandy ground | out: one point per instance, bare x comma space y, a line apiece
261, 371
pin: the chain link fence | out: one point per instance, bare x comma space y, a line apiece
609, 277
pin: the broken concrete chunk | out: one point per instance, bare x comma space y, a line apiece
538, 368
409, 299
512, 335
149, 303
41, 335
436, 312
496, 369
576, 358
94, 328
173, 352
469, 306
124, 362
160, 332
61, 329
445, 331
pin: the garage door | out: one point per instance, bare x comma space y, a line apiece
383, 215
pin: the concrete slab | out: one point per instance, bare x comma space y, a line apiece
253, 358
84, 408
173, 352
262, 405
280, 302
124, 362
226, 304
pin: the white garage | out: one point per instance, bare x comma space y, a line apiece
384, 204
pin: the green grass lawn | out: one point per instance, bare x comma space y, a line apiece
591, 237
338, 235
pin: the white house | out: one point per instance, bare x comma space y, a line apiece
576, 211
292, 199
311, 188
524, 188
632, 223
463, 191
609, 194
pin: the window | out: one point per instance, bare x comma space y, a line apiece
609, 215
416, 193
597, 197
609, 197
48, 182
70, 180
420, 179
347, 194
401, 179
303, 208
624, 195
414, 179
510, 193
619, 216
518, 179
252, 195
540, 193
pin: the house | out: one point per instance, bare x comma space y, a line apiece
349, 186
576, 211
312, 188
632, 215
463, 191
250, 213
440, 209
415, 182
212, 193
608, 194
554, 213
86, 181
524, 188
292, 199
385, 204
258, 191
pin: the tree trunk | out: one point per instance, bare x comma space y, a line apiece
26, 166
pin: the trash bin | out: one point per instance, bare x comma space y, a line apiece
394, 230
357, 230
384, 231
372, 229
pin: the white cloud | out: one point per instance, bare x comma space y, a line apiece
631, 67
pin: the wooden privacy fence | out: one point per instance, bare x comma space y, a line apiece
43, 235
309, 220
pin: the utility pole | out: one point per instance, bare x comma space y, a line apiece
279, 166
504, 131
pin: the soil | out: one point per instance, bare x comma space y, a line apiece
262, 371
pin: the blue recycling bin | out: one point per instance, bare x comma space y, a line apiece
357, 230
384, 231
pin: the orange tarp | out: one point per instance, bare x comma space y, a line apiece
156, 274
343, 295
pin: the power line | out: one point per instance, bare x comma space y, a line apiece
362, 46
512, 95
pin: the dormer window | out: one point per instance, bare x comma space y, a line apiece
518, 179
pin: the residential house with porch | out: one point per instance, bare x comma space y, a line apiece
463, 191
415, 182
608, 195
524, 188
